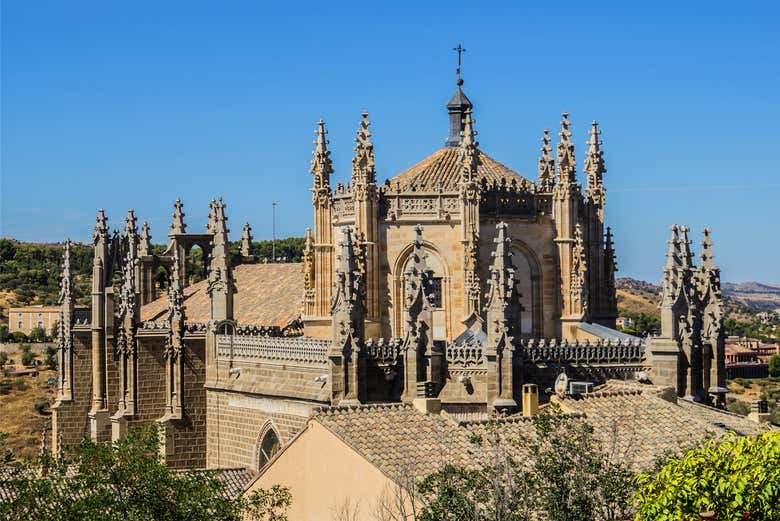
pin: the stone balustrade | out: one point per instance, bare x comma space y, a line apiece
258, 349
609, 351
465, 355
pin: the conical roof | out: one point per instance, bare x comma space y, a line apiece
442, 168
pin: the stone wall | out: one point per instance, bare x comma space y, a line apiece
69, 418
236, 422
189, 433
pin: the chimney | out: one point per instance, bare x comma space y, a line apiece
530, 400
759, 411
425, 401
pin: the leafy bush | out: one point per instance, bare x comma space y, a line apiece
737, 406
37, 334
3, 358
20, 384
5, 335
774, 365
51, 357
41, 406
738, 479
18, 336
28, 357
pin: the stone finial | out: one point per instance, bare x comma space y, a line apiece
308, 261
101, 229
145, 246
546, 165
131, 227
178, 226
363, 165
246, 240
594, 166
706, 251
321, 163
565, 152
469, 152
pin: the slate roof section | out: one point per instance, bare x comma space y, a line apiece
443, 167
266, 295
605, 332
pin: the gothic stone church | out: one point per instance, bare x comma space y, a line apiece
457, 281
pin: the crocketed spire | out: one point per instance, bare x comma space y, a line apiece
566, 161
594, 166
469, 153
363, 165
220, 280
503, 299
706, 251
178, 226
131, 228
101, 233
66, 297
546, 165
321, 164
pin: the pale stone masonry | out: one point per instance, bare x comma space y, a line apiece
453, 284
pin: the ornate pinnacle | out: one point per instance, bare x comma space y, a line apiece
101, 228
566, 161
609, 250
363, 165
469, 155
502, 297
175, 307
210, 224
66, 278
246, 240
594, 160
686, 257
131, 228
145, 246
673, 252
308, 261
706, 251
579, 268
321, 164
349, 286
178, 226
546, 165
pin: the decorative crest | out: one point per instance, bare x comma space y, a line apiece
246, 240
178, 226
546, 165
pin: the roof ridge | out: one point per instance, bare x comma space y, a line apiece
331, 410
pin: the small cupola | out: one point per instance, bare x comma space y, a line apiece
457, 107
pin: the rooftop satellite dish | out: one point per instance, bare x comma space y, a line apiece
561, 385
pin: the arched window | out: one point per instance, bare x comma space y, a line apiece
268, 448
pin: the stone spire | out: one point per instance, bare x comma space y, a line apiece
594, 165
363, 165
706, 251
308, 261
211, 223
246, 240
178, 226
321, 164
66, 319
145, 244
469, 152
126, 341
102, 314
469, 199
546, 165
220, 279
566, 162
101, 233
686, 256
131, 227
458, 106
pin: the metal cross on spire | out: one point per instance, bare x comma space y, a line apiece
460, 50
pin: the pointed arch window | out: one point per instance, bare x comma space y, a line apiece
269, 446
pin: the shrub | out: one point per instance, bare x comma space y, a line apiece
5, 388
18, 337
41, 406
27, 358
20, 384
4, 333
3, 358
738, 479
774, 365
51, 357
737, 406
38, 334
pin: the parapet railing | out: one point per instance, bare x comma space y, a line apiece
465, 355
609, 351
384, 351
249, 348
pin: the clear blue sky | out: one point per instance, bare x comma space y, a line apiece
131, 104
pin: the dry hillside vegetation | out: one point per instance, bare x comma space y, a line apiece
18, 415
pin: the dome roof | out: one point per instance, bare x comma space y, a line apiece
442, 168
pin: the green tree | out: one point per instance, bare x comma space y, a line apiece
38, 334
3, 358
127, 481
4, 333
18, 337
28, 357
561, 473
51, 357
774, 365
738, 479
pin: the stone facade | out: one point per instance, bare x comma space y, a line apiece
456, 281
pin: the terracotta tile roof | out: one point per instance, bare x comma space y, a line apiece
266, 294
635, 425
443, 166
639, 426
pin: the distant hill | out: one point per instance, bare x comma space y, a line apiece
754, 294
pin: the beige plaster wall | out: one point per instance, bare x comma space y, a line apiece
322, 473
